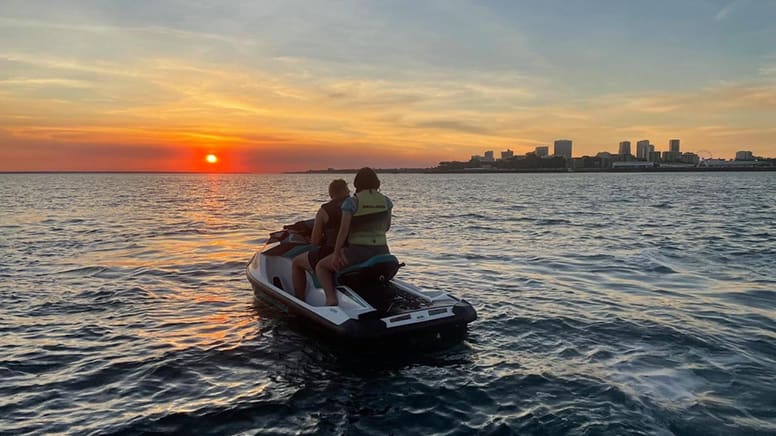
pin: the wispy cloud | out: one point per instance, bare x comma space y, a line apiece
767, 69
30, 82
726, 10
454, 125
106, 31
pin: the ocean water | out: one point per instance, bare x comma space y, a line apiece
608, 304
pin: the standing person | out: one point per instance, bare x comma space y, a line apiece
325, 230
366, 217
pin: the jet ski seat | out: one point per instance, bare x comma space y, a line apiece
375, 270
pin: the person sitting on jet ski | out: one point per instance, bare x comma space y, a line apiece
325, 230
366, 217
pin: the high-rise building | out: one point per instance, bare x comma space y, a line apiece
542, 151
624, 148
563, 148
673, 145
670, 156
509, 154
488, 156
642, 149
744, 155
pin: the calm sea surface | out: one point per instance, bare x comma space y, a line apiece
608, 304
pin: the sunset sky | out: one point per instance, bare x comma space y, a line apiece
290, 85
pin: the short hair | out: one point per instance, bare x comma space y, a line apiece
337, 186
366, 178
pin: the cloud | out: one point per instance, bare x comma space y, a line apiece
726, 10
454, 125
768, 71
37, 83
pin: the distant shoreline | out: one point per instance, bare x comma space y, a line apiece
433, 171
533, 171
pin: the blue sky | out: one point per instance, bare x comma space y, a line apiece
435, 79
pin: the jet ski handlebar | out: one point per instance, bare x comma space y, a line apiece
298, 230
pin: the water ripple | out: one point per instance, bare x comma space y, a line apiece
607, 303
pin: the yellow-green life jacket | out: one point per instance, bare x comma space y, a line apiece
370, 222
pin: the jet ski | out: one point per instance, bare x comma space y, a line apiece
374, 307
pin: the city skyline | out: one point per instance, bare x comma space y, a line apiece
283, 86
643, 149
647, 158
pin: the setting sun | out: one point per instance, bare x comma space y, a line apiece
211, 158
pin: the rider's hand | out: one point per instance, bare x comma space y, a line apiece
339, 259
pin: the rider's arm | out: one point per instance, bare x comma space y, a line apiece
390, 213
344, 229
320, 220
